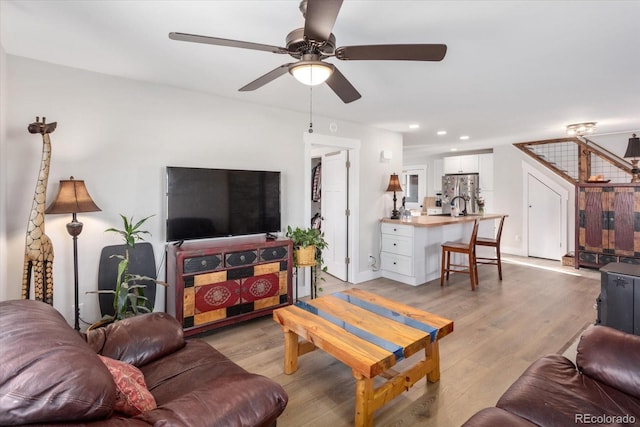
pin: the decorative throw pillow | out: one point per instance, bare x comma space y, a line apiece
132, 395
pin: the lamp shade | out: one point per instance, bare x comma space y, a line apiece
72, 197
394, 183
633, 148
311, 73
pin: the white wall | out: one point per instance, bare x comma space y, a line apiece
4, 101
118, 135
508, 193
374, 202
509, 197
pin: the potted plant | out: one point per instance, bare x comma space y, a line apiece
128, 295
308, 244
480, 202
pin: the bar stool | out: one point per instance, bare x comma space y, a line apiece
493, 243
468, 248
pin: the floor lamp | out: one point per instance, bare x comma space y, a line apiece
72, 198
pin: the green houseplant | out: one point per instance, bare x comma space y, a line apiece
128, 295
312, 240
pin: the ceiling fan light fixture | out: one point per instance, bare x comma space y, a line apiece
311, 73
581, 128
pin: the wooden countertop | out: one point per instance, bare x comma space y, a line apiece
436, 221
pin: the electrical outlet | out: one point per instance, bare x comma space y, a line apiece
517, 237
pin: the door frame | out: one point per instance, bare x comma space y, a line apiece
314, 142
336, 266
564, 205
421, 171
551, 203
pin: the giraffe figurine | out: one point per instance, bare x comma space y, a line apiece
38, 254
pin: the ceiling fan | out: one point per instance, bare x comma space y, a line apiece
314, 43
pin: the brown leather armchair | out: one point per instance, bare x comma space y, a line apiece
49, 373
602, 388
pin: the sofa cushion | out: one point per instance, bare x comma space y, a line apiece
138, 340
197, 381
612, 357
187, 369
132, 395
48, 373
552, 392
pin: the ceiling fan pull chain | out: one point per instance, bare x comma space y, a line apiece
311, 108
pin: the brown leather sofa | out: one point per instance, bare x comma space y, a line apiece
49, 373
603, 389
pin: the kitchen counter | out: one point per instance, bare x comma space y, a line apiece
411, 250
438, 220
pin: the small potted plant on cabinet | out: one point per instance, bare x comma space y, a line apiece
128, 295
308, 244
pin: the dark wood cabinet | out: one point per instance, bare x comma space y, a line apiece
607, 224
219, 282
619, 301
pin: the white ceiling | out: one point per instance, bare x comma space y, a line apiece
514, 70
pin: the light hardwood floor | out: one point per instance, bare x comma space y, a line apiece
500, 329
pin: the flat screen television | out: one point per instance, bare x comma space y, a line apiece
204, 203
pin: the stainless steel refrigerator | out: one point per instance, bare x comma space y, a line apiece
460, 185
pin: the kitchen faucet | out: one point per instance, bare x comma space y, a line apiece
464, 211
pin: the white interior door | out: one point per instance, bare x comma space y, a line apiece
334, 212
545, 221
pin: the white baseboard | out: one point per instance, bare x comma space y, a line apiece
513, 251
364, 276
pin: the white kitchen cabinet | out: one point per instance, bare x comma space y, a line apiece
461, 164
451, 165
485, 168
411, 253
397, 249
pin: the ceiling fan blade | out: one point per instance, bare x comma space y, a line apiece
341, 86
225, 42
401, 52
320, 16
266, 78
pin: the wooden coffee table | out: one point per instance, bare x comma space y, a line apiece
370, 334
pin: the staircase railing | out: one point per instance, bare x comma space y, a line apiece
577, 159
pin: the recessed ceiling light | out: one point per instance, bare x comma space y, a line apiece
454, 149
414, 126
464, 137
442, 132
